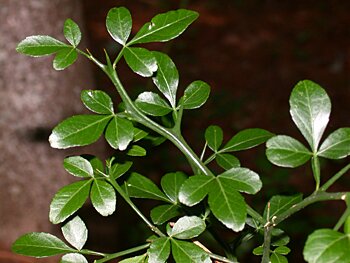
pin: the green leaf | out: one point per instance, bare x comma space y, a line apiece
277, 258
188, 227
326, 245
118, 169
68, 200
227, 205
141, 61
97, 101
310, 108
139, 134
279, 238
37, 46
196, 94
119, 24
241, 179
258, 251
163, 213
137, 259
73, 258
78, 130
188, 252
119, 133
159, 250
75, 232
286, 151
152, 104
337, 145
247, 139
78, 166
214, 137
227, 161
96, 164
103, 197
64, 58
194, 189
164, 27
40, 245
167, 77
280, 204
136, 150
347, 226
283, 250
72, 32
171, 184
141, 187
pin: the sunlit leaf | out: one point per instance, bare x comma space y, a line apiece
194, 189
73, 258
119, 133
78, 166
159, 250
75, 232
188, 252
40, 46
64, 58
97, 101
141, 61
196, 94
152, 104
72, 32
188, 227
336, 145
119, 23
103, 197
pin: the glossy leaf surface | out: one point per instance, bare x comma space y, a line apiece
72, 32
194, 189
103, 197
188, 227
40, 46
64, 58
336, 145
141, 61
171, 184
73, 258
75, 232
151, 103
280, 204
159, 250
163, 213
119, 133
188, 252
119, 24
214, 136
97, 101
118, 169
78, 166
195, 95
227, 161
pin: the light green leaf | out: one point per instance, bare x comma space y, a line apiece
347, 225
152, 104
214, 136
163, 213
277, 258
137, 259
64, 58
75, 232
194, 189
119, 24
258, 251
78, 166
37, 46
141, 61
188, 227
73, 258
119, 133
159, 250
246, 139
40, 245
136, 150
103, 197
188, 252
283, 250
337, 145
118, 169
164, 27
141, 187
72, 32
171, 184
286, 151
280, 204
241, 179
227, 161
97, 101
196, 94
78, 130
68, 200
310, 108
327, 246
167, 77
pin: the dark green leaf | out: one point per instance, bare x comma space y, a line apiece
152, 104
103, 197
279, 238
96, 164
163, 213
188, 227
194, 189
68, 200
73, 258
196, 94
119, 24
171, 184
164, 27
137, 259
247, 139
97, 101
258, 251
159, 250
137, 150
326, 245
64, 58
40, 245
214, 137
310, 108
277, 258
72, 32
118, 169
78, 130
283, 250
141, 61
286, 151
139, 134
119, 133
167, 77
227, 161
241, 179
337, 145
78, 166
37, 46
188, 252
75, 232
280, 204
141, 187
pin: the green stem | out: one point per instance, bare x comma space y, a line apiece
92, 253
342, 219
334, 178
267, 243
122, 253
315, 164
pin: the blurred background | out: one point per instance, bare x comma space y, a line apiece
251, 53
